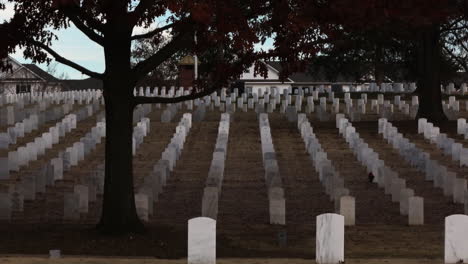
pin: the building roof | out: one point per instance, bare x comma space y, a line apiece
308, 76
41, 73
90, 83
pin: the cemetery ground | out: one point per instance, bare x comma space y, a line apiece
243, 230
101, 260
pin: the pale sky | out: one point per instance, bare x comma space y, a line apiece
74, 45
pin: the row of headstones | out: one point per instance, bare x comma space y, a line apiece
141, 111
81, 97
84, 96
169, 113
31, 184
31, 123
20, 99
405, 148
142, 127
140, 131
24, 154
267, 105
450, 89
214, 181
259, 104
329, 241
9, 114
447, 144
273, 180
462, 128
441, 177
163, 92
148, 193
452, 107
386, 178
328, 176
77, 202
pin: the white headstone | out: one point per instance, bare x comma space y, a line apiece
456, 239
201, 241
141, 204
329, 239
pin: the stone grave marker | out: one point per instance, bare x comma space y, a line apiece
82, 191
329, 245
405, 194
5, 206
201, 248
347, 209
277, 210
141, 204
210, 202
459, 189
71, 207
456, 239
416, 210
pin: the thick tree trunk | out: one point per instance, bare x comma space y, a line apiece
119, 214
118, 209
430, 95
378, 65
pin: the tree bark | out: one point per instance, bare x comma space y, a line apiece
119, 214
378, 67
429, 56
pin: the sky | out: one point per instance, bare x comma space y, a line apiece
74, 45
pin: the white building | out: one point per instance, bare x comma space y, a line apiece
258, 84
24, 78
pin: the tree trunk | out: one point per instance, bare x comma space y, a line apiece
119, 214
378, 66
429, 56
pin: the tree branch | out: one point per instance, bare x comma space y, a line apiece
153, 32
78, 12
89, 32
171, 100
140, 9
449, 27
146, 66
67, 62
459, 61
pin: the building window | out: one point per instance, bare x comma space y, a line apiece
23, 88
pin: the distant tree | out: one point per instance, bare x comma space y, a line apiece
455, 40
52, 70
10, 38
227, 29
167, 72
306, 27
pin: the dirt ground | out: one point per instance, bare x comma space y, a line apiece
243, 230
79, 260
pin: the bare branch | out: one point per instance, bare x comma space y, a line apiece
177, 44
89, 32
450, 26
141, 8
459, 61
154, 32
67, 62
83, 17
